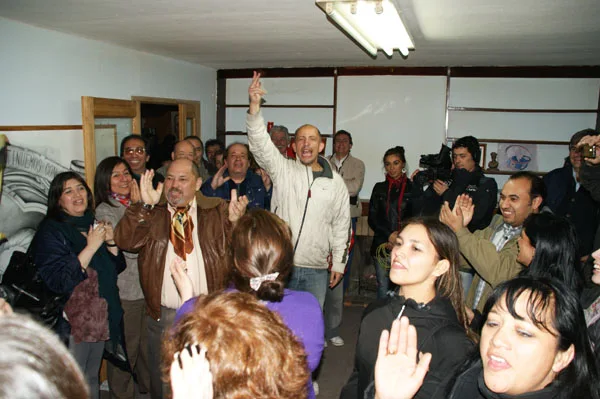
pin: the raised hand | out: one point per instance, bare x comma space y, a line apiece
190, 374
218, 180
237, 206
149, 194
452, 218
134, 193
398, 375
591, 140
255, 93
266, 179
182, 281
466, 205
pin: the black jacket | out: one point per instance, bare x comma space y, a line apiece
470, 384
438, 332
577, 206
383, 220
483, 190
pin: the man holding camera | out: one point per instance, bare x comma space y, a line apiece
466, 178
567, 197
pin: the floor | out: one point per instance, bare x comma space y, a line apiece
337, 362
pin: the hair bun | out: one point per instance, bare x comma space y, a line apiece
270, 290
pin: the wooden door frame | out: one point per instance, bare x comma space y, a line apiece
186, 109
97, 107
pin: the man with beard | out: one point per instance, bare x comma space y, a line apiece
188, 229
312, 199
236, 174
492, 252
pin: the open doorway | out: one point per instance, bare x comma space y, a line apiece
160, 128
164, 121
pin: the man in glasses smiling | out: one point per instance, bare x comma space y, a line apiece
134, 151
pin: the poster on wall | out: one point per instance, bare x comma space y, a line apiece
515, 157
33, 158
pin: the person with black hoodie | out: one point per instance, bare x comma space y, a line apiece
533, 345
424, 263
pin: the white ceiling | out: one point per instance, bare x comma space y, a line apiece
295, 33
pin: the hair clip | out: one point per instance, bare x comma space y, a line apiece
255, 282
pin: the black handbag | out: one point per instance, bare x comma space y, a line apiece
25, 291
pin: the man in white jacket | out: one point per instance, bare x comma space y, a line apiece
313, 200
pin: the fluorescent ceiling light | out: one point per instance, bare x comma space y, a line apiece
374, 24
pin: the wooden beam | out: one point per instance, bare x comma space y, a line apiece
221, 107
374, 71
136, 124
182, 118
527, 72
39, 127
275, 73
524, 110
111, 108
89, 143
598, 113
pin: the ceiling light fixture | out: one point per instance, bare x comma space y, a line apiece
374, 24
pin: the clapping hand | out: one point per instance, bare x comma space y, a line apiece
149, 194
237, 206
95, 236
467, 207
218, 180
398, 375
452, 218
134, 194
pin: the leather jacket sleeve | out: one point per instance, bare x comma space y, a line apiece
132, 231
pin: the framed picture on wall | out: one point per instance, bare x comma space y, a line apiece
483, 151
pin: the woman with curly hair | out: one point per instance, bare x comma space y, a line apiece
251, 353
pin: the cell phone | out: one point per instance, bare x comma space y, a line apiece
588, 151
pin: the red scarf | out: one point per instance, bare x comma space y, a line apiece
395, 183
123, 199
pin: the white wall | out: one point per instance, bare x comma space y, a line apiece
43, 75
385, 111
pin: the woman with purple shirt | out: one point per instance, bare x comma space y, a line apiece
262, 260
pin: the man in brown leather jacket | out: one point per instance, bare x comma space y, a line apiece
185, 228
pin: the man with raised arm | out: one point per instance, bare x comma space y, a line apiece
313, 200
183, 227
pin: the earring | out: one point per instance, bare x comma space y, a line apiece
403, 170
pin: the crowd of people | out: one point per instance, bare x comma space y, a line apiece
225, 276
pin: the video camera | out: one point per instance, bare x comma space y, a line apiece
437, 167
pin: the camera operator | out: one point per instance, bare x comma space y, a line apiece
466, 178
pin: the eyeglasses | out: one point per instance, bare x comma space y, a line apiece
137, 150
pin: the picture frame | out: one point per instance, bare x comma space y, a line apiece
511, 156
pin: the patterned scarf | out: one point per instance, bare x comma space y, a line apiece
397, 184
123, 199
181, 232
